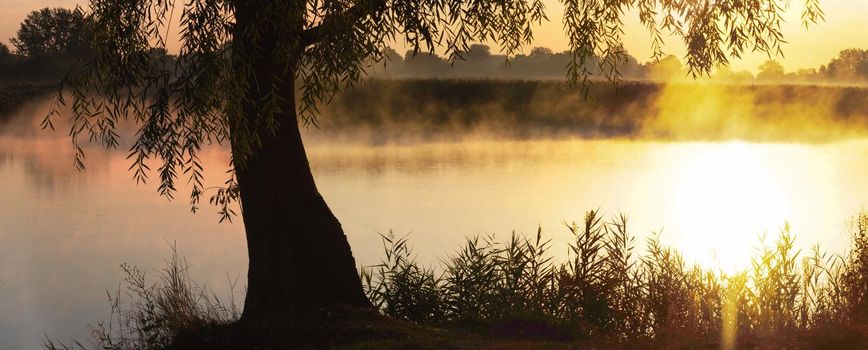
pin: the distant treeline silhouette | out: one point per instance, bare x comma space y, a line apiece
481, 62
47, 45
851, 66
51, 41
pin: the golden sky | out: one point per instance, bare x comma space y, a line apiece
845, 27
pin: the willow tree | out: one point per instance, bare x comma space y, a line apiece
250, 73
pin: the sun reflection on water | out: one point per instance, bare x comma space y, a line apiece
725, 198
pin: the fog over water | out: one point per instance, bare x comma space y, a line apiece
63, 234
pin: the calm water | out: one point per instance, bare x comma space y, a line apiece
63, 234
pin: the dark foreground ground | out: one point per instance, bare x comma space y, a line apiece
362, 329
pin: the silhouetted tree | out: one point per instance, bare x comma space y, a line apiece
850, 65
243, 66
665, 69
52, 32
771, 70
540, 52
479, 51
425, 65
5, 55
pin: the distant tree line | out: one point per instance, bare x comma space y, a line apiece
539, 63
51, 41
851, 66
48, 44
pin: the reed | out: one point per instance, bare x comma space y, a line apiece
149, 314
605, 293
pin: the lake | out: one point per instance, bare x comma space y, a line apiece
63, 233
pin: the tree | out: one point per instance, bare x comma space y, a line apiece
665, 69
52, 32
771, 70
251, 73
5, 54
541, 52
850, 65
479, 51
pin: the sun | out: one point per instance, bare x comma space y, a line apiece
726, 197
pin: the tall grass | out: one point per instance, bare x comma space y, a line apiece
151, 314
607, 291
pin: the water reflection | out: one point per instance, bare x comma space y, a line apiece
44, 162
711, 200
63, 233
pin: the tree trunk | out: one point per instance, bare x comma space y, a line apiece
299, 256
300, 259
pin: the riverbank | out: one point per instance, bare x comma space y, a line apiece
15, 95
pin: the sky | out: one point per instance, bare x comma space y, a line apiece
845, 27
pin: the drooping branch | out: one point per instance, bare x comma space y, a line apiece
197, 99
337, 22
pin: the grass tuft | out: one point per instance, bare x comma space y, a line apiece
151, 315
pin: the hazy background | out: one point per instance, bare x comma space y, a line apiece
805, 48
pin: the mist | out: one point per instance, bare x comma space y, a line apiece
410, 111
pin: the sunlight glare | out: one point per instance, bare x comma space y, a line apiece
725, 198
